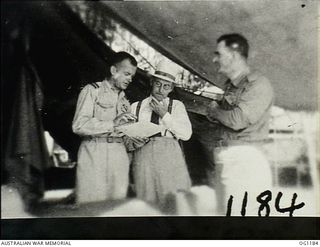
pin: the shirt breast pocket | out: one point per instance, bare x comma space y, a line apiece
104, 110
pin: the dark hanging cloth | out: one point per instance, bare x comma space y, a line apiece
26, 154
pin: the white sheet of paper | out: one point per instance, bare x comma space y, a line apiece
140, 129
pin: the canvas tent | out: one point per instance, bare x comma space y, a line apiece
282, 36
47, 44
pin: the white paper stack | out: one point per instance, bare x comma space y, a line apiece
140, 129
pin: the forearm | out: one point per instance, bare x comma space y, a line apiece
85, 126
234, 119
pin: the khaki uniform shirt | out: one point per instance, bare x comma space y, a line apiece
244, 112
98, 105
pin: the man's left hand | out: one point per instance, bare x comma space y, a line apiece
213, 105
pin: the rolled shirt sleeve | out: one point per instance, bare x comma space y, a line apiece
84, 122
253, 103
178, 122
234, 119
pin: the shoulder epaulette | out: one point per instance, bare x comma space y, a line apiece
95, 85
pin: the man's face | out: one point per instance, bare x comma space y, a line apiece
122, 74
224, 58
161, 88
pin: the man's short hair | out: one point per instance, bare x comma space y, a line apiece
236, 42
118, 58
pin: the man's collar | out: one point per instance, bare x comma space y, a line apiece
108, 86
235, 82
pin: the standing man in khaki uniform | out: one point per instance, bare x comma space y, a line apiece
242, 119
103, 164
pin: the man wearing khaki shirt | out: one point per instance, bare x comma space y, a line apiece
242, 119
103, 164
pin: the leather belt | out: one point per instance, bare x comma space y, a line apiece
226, 143
108, 139
154, 138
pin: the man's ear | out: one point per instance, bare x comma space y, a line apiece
113, 69
172, 87
236, 55
233, 54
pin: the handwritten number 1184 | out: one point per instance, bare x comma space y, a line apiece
264, 198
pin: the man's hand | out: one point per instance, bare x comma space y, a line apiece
133, 143
157, 107
124, 108
124, 118
211, 110
139, 141
213, 105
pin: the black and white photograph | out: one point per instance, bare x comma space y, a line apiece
160, 119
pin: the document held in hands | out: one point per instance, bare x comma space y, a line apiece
140, 129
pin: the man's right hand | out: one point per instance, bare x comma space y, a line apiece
138, 142
124, 118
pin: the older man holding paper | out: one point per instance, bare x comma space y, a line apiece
159, 167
